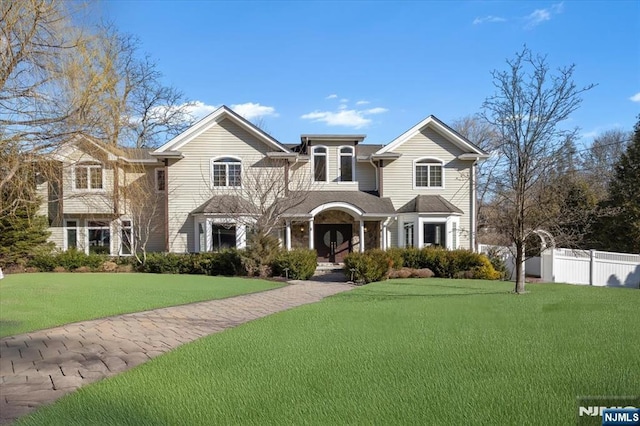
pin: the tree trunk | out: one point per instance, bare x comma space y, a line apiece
519, 268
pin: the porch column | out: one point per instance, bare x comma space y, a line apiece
361, 236
383, 235
311, 233
288, 235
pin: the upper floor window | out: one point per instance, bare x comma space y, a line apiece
346, 164
428, 173
88, 176
226, 171
320, 164
160, 180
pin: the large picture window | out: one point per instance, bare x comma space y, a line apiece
226, 172
223, 236
99, 235
320, 164
346, 164
434, 234
88, 176
428, 174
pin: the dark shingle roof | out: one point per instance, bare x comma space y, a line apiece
367, 149
369, 204
429, 204
138, 153
225, 204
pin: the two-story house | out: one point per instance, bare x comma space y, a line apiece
205, 188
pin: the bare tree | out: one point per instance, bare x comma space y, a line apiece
487, 138
270, 189
527, 109
45, 88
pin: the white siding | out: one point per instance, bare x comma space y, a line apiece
398, 176
189, 177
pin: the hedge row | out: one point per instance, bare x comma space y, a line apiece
296, 264
376, 265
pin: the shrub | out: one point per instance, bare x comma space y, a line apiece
59, 269
411, 257
261, 251
301, 264
367, 267
395, 256
69, 260
436, 259
161, 263
226, 262
44, 262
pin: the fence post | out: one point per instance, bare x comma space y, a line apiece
592, 265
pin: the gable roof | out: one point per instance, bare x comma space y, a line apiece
429, 204
225, 204
112, 152
437, 125
213, 119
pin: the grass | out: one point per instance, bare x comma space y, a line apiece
36, 301
401, 352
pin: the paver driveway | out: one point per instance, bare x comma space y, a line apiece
38, 368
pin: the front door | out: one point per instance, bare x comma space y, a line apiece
332, 241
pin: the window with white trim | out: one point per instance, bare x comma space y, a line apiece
71, 229
99, 236
126, 238
434, 234
88, 176
408, 234
223, 236
346, 164
160, 180
320, 164
226, 172
428, 173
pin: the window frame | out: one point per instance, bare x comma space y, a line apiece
409, 226
325, 154
123, 228
353, 163
65, 242
219, 160
428, 162
157, 170
88, 231
89, 166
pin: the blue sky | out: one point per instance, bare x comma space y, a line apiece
378, 68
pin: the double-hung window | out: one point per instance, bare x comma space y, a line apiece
88, 176
346, 164
160, 180
126, 238
226, 172
428, 173
320, 164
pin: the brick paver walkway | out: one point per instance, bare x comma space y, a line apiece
38, 368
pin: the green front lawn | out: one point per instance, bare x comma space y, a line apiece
35, 301
401, 352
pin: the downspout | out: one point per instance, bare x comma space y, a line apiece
473, 223
166, 204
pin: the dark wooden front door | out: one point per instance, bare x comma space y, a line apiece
332, 241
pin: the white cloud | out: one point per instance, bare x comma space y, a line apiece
635, 98
489, 18
332, 96
344, 117
344, 100
539, 16
199, 109
249, 110
362, 102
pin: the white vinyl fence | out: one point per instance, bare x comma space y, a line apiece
586, 267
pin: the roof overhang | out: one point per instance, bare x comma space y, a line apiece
213, 119
167, 154
331, 138
434, 123
474, 157
386, 156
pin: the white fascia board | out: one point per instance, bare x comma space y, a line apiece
212, 120
433, 122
